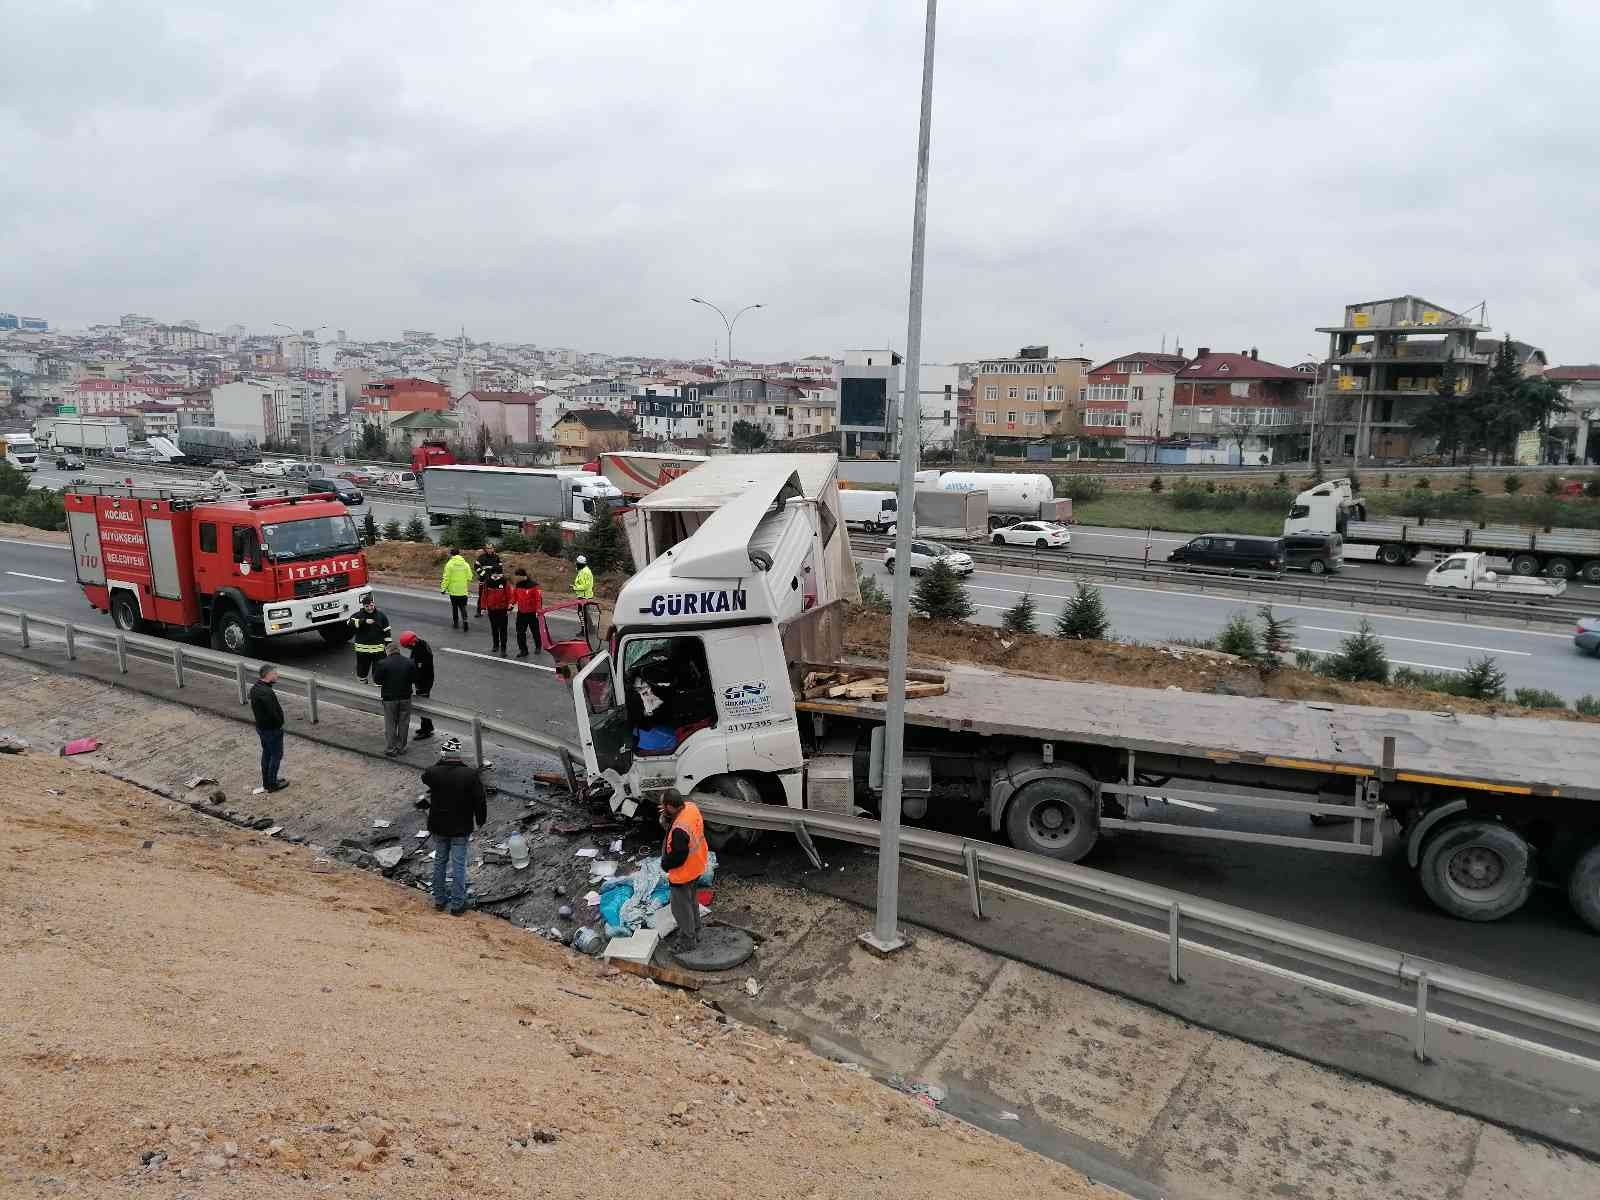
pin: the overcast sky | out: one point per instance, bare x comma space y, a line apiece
1230, 172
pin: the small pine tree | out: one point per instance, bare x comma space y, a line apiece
416, 530
369, 530
1021, 617
1085, 616
942, 595
1587, 705
1467, 485
873, 597
1156, 486
1360, 658
1484, 680
1552, 485
1513, 484
1277, 638
468, 531
392, 531
602, 543
515, 542
1238, 637
547, 538
1423, 484
1283, 479
1538, 698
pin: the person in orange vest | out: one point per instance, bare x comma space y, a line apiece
684, 858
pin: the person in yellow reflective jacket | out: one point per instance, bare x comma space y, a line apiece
456, 583
583, 581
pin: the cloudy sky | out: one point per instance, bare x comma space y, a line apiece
1227, 172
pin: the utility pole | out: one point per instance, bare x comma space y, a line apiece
728, 322
885, 936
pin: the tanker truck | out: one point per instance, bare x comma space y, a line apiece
1022, 496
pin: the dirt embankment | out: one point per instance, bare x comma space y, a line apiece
196, 1009
1193, 670
27, 533
420, 564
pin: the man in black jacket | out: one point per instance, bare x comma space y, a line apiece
269, 726
393, 673
422, 660
456, 805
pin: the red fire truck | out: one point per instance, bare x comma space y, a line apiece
238, 568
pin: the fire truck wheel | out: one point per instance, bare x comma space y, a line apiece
336, 635
125, 613
231, 633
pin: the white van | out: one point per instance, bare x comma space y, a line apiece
874, 512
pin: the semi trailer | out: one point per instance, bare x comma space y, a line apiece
90, 435
1020, 496
515, 496
708, 684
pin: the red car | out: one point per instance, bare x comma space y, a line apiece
359, 478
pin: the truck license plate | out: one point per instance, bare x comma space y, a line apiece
326, 605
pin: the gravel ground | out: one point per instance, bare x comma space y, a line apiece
195, 1010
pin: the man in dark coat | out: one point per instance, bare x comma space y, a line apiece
393, 673
422, 682
456, 805
268, 713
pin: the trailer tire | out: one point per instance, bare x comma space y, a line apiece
1477, 870
1590, 571
1525, 564
1391, 555
125, 613
1583, 887
1558, 568
231, 632
1057, 818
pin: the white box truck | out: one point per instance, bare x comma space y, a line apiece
515, 495
88, 435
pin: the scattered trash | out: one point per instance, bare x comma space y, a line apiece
663, 922
380, 823
55, 792
603, 869
558, 890
564, 912
751, 987
592, 899
1009, 1116
616, 846
421, 833
518, 849
588, 852
322, 866
10, 743
388, 857
272, 830
218, 796
432, 854
147, 846
83, 745
930, 1094
638, 947
625, 902
258, 791
704, 897
195, 781
588, 941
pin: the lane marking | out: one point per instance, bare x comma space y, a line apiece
44, 578
510, 662
1394, 637
37, 545
1311, 981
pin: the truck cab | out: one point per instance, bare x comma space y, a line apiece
21, 451
1329, 507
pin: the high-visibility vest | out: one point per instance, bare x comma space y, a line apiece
583, 584
693, 824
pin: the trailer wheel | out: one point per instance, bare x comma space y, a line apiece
125, 613
230, 633
1054, 817
1477, 870
1525, 564
1558, 568
1583, 887
1391, 555
1590, 571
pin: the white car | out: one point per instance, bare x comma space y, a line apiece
268, 470
1033, 533
923, 555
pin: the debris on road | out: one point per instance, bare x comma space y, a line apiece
83, 745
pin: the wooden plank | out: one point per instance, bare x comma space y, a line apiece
683, 979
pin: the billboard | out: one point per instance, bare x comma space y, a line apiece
863, 403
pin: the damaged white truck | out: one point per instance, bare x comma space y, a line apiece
740, 599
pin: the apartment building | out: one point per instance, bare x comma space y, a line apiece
1387, 357
582, 433
669, 412
869, 387
1259, 407
1030, 396
508, 417
1128, 401
781, 408
1573, 430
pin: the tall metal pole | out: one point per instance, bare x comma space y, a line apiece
885, 936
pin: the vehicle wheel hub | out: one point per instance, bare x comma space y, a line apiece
1051, 822
1476, 869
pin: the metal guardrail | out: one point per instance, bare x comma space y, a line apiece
183, 658
1202, 922
1423, 982
1323, 591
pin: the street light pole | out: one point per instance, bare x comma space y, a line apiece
727, 323
885, 936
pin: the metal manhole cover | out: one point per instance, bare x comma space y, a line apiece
720, 949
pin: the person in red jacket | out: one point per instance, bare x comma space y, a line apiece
527, 597
494, 598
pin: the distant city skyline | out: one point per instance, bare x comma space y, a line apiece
1228, 172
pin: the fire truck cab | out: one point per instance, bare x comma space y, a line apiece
239, 569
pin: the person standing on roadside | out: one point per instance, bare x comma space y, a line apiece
527, 597
583, 581
455, 583
486, 564
684, 858
456, 805
422, 680
494, 598
394, 674
268, 712
371, 635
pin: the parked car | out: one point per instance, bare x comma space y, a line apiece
405, 481
923, 555
68, 462
1033, 533
1318, 553
348, 494
267, 470
1587, 636
359, 478
1231, 550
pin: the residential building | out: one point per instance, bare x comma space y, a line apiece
100, 396
869, 388
1127, 402
510, 418
780, 408
1029, 397
939, 406
410, 429
383, 400
1242, 400
669, 412
150, 420
178, 337
244, 406
1387, 358
1580, 387
582, 433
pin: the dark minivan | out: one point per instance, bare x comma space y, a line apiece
1318, 553
1231, 550
348, 494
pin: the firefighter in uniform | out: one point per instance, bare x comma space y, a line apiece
371, 635
684, 858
